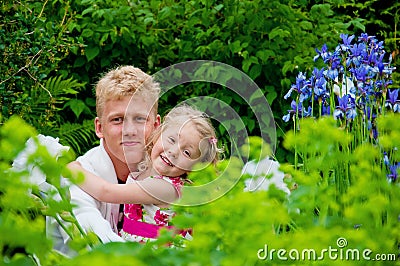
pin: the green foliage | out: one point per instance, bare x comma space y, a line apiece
24, 207
364, 203
239, 228
18, 210
33, 41
62, 46
80, 137
255, 148
32, 44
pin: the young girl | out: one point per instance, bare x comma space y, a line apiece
185, 137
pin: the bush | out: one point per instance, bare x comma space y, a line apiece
240, 228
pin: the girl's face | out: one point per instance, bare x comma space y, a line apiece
176, 150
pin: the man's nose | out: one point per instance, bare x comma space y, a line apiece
129, 128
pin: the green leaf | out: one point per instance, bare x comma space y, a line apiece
77, 106
103, 38
248, 61
164, 13
87, 33
264, 55
255, 71
235, 47
271, 96
288, 66
278, 32
80, 61
357, 23
91, 53
87, 10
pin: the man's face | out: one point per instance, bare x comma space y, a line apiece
124, 126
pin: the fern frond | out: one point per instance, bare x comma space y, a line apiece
80, 137
58, 86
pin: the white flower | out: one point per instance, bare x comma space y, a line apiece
259, 171
347, 88
36, 176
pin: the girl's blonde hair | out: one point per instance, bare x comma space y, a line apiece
181, 115
125, 81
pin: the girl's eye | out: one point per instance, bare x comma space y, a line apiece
187, 153
171, 139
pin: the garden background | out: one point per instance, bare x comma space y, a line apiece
54, 51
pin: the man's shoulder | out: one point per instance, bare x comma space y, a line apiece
95, 155
92, 151
94, 158
97, 161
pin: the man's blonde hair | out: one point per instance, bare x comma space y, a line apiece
125, 81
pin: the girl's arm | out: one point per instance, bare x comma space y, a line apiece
147, 191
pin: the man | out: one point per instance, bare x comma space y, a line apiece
126, 106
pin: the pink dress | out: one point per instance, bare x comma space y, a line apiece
143, 221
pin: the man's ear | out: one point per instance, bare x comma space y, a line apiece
98, 128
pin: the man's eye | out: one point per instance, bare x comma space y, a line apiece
187, 153
117, 119
141, 119
171, 139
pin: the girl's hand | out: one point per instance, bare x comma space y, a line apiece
75, 166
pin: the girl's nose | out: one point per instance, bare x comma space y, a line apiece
173, 152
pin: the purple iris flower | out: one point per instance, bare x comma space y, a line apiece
326, 110
364, 37
320, 88
297, 108
318, 73
302, 87
346, 107
357, 50
371, 58
318, 83
346, 41
361, 73
331, 74
392, 176
335, 59
323, 53
392, 101
380, 64
386, 158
